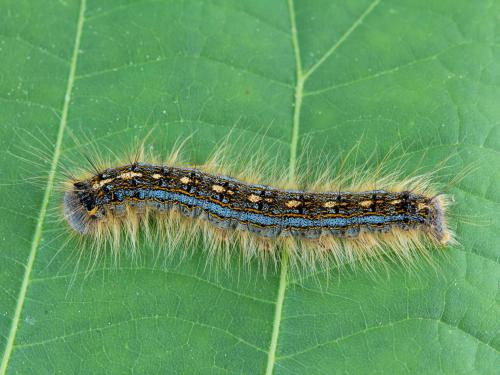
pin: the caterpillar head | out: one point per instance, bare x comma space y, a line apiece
80, 207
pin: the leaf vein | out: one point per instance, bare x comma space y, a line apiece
383, 326
343, 38
135, 320
168, 58
18, 38
169, 272
48, 190
299, 86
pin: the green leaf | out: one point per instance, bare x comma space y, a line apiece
321, 73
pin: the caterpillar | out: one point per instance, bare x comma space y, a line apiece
175, 204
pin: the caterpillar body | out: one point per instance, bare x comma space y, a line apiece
262, 219
231, 204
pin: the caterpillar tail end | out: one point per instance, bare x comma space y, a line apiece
442, 233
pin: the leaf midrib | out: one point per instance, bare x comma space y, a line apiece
301, 77
35, 243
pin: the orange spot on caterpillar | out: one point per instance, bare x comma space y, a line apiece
366, 203
254, 198
421, 206
129, 175
293, 204
329, 204
101, 183
93, 211
218, 188
185, 180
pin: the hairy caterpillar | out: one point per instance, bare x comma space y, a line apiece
174, 204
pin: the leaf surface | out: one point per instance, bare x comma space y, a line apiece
301, 75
